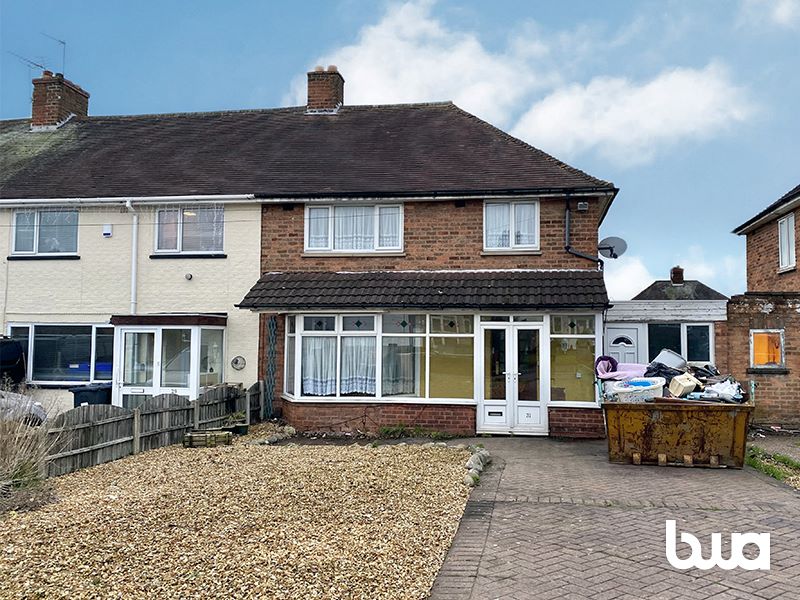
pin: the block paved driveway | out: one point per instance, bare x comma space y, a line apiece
553, 519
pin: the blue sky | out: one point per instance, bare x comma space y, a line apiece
691, 108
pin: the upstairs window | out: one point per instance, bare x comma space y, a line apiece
190, 230
786, 243
354, 228
511, 225
45, 232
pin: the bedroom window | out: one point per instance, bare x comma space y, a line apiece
45, 232
190, 230
354, 229
786, 243
511, 225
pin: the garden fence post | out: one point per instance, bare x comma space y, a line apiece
247, 406
261, 414
137, 430
196, 414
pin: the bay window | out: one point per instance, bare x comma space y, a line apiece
511, 225
353, 229
45, 232
190, 230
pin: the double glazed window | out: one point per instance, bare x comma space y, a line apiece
693, 342
786, 243
354, 228
572, 356
766, 348
45, 232
66, 353
190, 230
511, 225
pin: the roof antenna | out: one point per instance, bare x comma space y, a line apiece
63, 50
31, 64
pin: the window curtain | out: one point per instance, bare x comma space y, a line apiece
525, 224
203, 229
168, 229
318, 227
389, 227
401, 367
497, 225
319, 366
58, 231
354, 228
24, 232
358, 366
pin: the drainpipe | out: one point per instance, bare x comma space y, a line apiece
134, 254
568, 243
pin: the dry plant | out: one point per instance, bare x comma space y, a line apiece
25, 444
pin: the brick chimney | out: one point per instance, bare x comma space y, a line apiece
676, 275
55, 99
325, 89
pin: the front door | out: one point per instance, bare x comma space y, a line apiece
513, 380
623, 344
136, 380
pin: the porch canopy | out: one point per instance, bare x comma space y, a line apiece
506, 290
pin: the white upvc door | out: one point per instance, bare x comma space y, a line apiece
514, 372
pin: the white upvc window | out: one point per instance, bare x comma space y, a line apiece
50, 232
354, 229
786, 243
693, 341
511, 225
190, 230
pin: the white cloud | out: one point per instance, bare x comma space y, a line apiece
629, 122
783, 13
625, 277
725, 273
410, 56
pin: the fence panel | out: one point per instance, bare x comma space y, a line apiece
164, 421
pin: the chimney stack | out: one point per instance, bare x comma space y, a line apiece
676, 275
325, 90
55, 99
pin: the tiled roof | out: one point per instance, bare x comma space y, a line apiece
745, 227
483, 290
690, 290
422, 149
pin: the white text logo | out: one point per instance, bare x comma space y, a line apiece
737, 559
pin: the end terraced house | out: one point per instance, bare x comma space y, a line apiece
375, 265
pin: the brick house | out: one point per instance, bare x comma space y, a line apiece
422, 267
764, 322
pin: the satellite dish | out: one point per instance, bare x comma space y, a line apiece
612, 247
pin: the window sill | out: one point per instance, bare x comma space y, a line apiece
511, 252
43, 257
767, 371
373, 400
574, 404
181, 256
373, 254
787, 269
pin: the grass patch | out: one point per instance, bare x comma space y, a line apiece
778, 466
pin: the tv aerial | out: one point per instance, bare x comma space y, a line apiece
612, 247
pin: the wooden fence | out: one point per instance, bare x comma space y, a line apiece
97, 433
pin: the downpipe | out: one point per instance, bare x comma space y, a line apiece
134, 256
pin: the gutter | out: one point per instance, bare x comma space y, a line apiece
567, 235
758, 221
115, 200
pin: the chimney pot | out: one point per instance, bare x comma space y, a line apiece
332, 69
319, 69
676, 275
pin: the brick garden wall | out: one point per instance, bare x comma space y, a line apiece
777, 396
438, 235
762, 260
577, 423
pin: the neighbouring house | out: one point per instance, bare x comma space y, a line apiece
128, 239
764, 322
683, 315
421, 267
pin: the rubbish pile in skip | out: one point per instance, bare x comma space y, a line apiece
668, 376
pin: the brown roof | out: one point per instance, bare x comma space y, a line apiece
412, 149
482, 290
690, 290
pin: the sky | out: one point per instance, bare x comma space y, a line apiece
691, 108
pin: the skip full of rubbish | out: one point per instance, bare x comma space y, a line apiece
669, 376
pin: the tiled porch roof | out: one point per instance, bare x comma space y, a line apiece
482, 290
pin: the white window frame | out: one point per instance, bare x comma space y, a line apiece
30, 352
781, 366
329, 248
685, 340
179, 246
512, 227
548, 336
37, 212
788, 262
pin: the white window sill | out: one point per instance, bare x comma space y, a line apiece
505, 251
574, 404
328, 253
788, 269
372, 400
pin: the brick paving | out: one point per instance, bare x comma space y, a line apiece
554, 519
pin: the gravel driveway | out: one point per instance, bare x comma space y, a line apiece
242, 521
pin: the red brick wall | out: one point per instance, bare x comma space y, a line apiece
762, 260
263, 345
55, 98
370, 417
577, 423
325, 90
721, 346
438, 235
777, 396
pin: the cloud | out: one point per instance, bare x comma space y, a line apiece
725, 273
410, 56
625, 277
783, 13
629, 123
